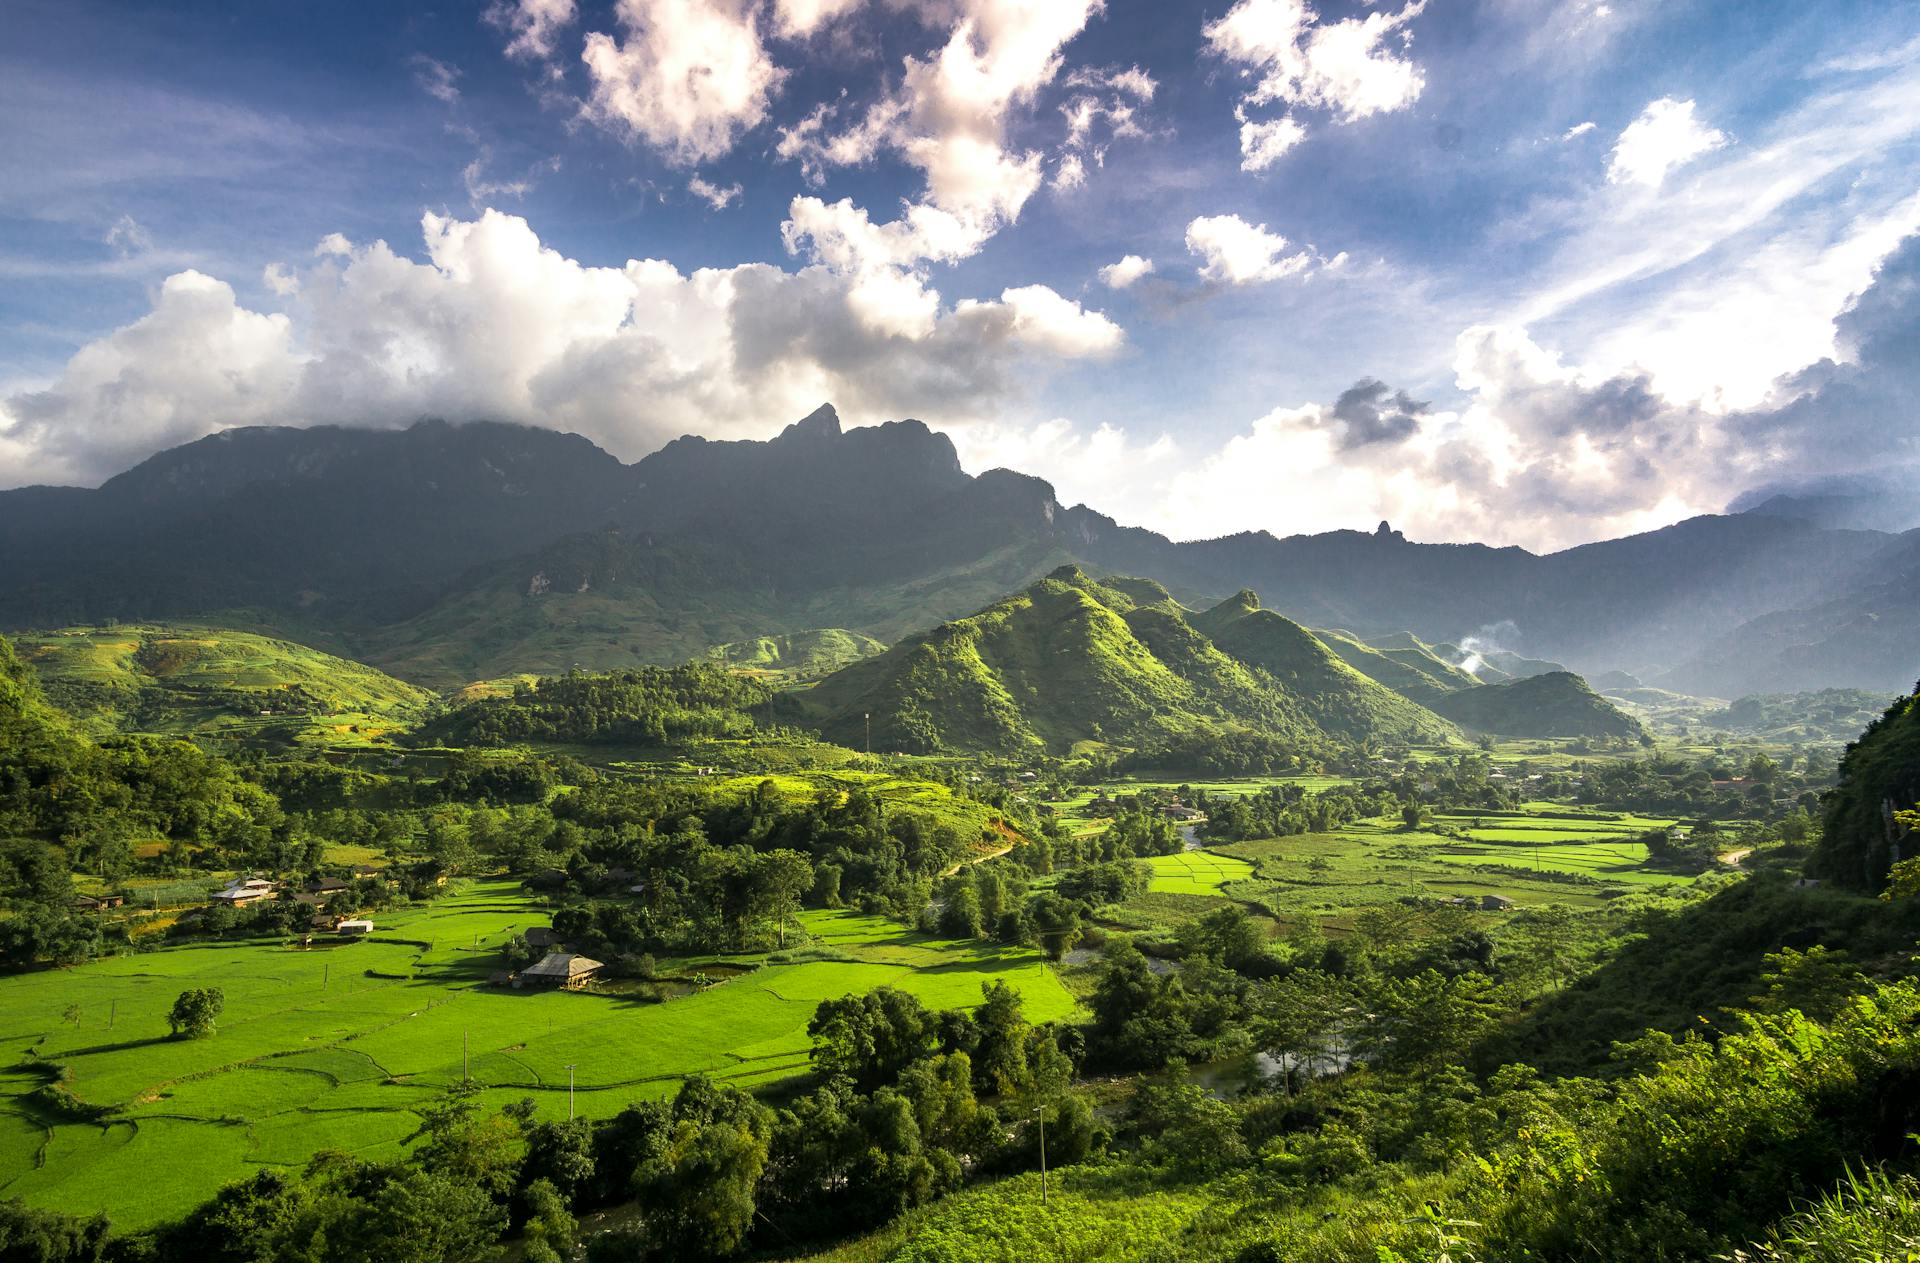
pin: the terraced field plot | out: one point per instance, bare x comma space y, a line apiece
1532, 857
338, 1048
1196, 872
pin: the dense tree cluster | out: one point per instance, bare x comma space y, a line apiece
650, 706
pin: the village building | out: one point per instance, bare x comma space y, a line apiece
354, 927
98, 903
239, 893
561, 969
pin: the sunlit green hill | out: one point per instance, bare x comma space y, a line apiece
1072, 659
182, 680
1557, 704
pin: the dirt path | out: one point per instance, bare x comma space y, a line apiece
1735, 859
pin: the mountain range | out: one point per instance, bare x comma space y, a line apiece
445, 553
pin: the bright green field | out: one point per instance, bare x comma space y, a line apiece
1195, 872
1549, 853
340, 1047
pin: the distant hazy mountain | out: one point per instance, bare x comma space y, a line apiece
1070, 660
445, 553
1862, 630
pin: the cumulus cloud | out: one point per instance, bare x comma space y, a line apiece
532, 24
1262, 144
1125, 272
1101, 465
714, 195
948, 116
685, 76
797, 19
197, 362
1353, 68
493, 323
1370, 411
1544, 453
1235, 252
1665, 136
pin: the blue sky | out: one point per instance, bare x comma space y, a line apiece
1550, 271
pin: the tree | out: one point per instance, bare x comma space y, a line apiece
698, 1188
194, 1012
960, 914
870, 1038
44, 1236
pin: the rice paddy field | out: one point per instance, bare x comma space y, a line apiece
1196, 872
1546, 853
340, 1047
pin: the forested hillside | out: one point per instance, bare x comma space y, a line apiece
1115, 661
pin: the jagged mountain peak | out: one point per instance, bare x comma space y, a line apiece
822, 422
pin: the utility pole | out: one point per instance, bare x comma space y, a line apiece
1040, 1113
113, 1007
569, 1091
326, 972
867, 718
466, 1080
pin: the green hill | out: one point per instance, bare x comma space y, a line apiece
805, 653
1070, 659
184, 680
1407, 665
1557, 704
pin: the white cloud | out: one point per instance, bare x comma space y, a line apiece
482, 189
1665, 136
797, 19
949, 115
1547, 453
713, 194
280, 279
436, 78
495, 324
1235, 252
533, 25
197, 362
1101, 467
1040, 318
1262, 144
686, 76
1291, 56
1578, 130
1124, 273
1070, 172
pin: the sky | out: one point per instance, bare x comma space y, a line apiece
1519, 271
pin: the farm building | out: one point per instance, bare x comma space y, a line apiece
544, 936
353, 928
327, 886
561, 969
238, 893
98, 903
1495, 903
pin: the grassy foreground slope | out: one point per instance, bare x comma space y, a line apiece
187, 680
1557, 704
1072, 659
